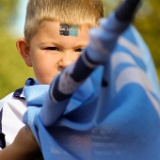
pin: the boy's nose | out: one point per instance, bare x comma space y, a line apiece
67, 59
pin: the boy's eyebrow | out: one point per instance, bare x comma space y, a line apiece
80, 44
66, 30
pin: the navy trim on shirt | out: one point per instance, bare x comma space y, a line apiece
2, 136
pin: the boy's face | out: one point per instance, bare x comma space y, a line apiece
50, 51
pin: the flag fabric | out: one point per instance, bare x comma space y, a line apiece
114, 115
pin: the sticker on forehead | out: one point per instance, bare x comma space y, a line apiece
66, 30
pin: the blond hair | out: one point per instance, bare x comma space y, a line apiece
71, 12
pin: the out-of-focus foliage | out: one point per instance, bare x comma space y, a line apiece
147, 21
148, 24
7, 9
13, 71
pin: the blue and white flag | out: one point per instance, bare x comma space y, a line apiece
118, 117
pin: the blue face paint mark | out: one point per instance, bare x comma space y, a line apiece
66, 30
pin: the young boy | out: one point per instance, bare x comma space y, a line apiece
56, 31
86, 62
115, 124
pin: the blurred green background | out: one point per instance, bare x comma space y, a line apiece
14, 72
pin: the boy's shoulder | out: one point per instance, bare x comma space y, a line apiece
11, 115
17, 97
12, 99
14, 96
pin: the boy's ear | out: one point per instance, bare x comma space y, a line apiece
23, 49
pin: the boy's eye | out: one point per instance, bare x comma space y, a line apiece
79, 50
52, 48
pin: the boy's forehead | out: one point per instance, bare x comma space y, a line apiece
68, 30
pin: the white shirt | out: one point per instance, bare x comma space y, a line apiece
13, 110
